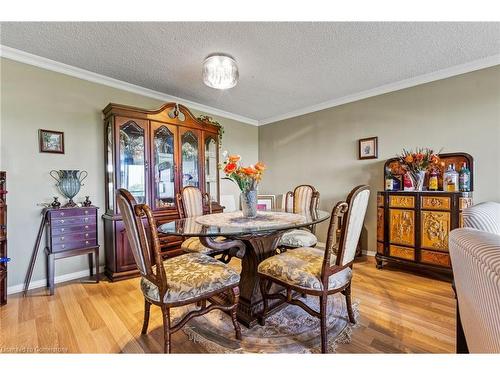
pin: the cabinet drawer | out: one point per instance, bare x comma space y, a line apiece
402, 227
75, 220
69, 212
402, 252
402, 201
463, 203
434, 257
74, 245
66, 238
435, 228
57, 231
436, 203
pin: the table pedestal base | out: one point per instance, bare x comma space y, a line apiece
257, 248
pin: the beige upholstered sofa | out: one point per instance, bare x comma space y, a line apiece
475, 257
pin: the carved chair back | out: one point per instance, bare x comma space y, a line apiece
190, 202
350, 214
304, 198
146, 254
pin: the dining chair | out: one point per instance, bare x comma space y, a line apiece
183, 280
315, 272
303, 198
190, 203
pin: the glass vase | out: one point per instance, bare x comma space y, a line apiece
249, 203
419, 180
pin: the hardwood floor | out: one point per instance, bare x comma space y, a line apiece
400, 312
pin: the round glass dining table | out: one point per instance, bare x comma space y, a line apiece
251, 239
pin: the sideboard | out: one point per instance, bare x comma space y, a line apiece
154, 154
413, 226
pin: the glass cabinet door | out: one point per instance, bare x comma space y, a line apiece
211, 168
190, 159
110, 174
132, 160
163, 166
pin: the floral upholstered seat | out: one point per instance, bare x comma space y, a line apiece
302, 268
191, 275
298, 238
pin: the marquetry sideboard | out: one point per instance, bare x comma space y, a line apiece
154, 154
3, 238
413, 226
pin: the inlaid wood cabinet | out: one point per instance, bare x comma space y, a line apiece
154, 154
413, 227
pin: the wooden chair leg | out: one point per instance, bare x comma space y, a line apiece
147, 308
234, 310
263, 290
323, 303
166, 330
350, 313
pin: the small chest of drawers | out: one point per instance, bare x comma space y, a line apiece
71, 232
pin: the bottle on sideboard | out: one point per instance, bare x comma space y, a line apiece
389, 181
464, 178
433, 180
450, 179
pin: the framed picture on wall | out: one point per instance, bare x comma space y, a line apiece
266, 202
51, 141
368, 148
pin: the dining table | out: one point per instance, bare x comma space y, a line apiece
250, 239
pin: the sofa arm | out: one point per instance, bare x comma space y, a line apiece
475, 258
483, 216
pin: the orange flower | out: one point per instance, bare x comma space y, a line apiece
249, 171
234, 158
434, 159
260, 166
409, 158
230, 168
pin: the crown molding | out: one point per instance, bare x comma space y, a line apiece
42, 62
395, 86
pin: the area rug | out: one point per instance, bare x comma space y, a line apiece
291, 330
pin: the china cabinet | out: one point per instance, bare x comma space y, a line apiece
154, 154
413, 226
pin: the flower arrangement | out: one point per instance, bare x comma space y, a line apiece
247, 178
416, 164
423, 159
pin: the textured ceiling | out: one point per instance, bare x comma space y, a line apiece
283, 66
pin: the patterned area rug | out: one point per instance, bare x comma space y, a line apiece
291, 330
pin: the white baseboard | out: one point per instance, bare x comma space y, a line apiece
58, 279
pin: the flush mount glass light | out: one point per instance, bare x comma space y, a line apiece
220, 72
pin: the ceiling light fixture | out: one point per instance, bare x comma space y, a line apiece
220, 72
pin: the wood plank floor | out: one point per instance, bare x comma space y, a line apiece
400, 312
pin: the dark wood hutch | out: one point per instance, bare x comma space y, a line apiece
154, 154
413, 226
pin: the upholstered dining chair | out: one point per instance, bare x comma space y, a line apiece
191, 203
186, 279
303, 198
315, 272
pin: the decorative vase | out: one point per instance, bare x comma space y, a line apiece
249, 203
419, 179
87, 202
55, 203
69, 182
